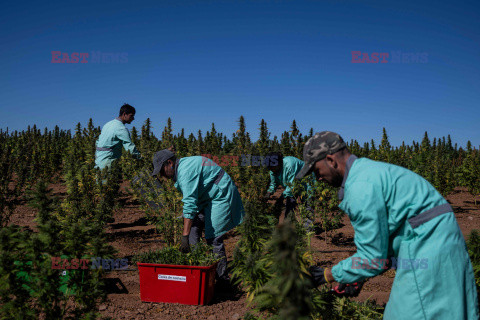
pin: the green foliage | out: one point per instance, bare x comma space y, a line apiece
250, 268
346, 309
288, 291
6, 176
200, 255
162, 204
26, 264
469, 172
322, 199
325, 203
473, 245
74, 225
91, 193
14, 293
440, 162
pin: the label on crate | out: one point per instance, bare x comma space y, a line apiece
172, 278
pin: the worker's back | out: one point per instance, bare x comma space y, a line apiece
405, 193
210, 189
394, 209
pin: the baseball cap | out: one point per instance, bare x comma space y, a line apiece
317, 148
159, 159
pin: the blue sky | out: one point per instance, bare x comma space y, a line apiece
200, 62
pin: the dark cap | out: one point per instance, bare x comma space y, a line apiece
317, 148
159, 159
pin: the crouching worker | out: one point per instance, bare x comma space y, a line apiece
395, 213
211, 201
282, 173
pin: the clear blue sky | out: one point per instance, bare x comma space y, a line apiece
211, 61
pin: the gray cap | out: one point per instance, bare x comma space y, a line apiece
317, 148
159, 159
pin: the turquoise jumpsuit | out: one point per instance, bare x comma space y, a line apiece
208, 189
396, 213
291, 166
109, 144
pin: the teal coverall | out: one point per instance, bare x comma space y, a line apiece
109, 144
291, 166
396, 213
209, 189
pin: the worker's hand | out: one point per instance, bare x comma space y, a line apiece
185, 245
349, 289
291, 201
267, 195
318, 275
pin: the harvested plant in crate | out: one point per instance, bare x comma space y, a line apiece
201, 255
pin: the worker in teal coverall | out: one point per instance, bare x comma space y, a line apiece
114, 135
282, 173
395, 213
211, 201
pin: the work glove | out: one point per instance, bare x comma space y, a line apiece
348, 289
291, 203
185, 245
318, 275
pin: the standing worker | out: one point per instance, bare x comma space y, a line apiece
211, 201
114, 134
395, 213
282, 173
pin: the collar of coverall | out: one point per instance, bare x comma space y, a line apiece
176, 170
348, 165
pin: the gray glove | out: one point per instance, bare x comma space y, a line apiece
185, 245
318, 275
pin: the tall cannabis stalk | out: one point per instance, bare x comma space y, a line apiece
250, 268
288, 293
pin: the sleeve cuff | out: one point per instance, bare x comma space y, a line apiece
287, 193
189, 215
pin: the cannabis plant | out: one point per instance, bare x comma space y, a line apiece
162, 205
200, 255
288, 292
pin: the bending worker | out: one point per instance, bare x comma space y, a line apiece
211, 201
114, 135
395, 213
282, 173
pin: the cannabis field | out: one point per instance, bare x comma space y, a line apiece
56, 207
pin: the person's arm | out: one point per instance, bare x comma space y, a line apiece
187, 226
273, 184
124, 136
368, 214
189, 182
289, 178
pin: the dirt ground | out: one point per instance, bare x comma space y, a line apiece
130, 234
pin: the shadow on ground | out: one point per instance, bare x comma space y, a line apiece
115, 285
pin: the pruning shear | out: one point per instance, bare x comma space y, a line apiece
347, 289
